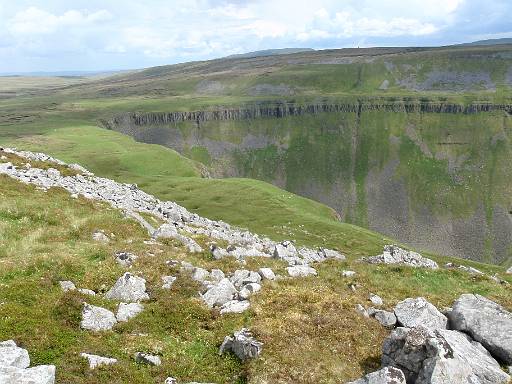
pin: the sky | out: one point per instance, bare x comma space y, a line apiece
93, 35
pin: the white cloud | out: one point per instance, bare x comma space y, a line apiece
35, 21
130, 33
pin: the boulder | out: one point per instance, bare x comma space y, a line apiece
97, 318
235, 306
216, 275
331, 254
96, 361
362, 310
395, 255
42, 374
301, 271
13, 356
128, 288
376, 300
171, 380
387, 375
100, 237
168, 281
385, 318
267, 274
348, 273
243, 276
219, 294
440, 356
248, 289
128, 311
145, 358
200, 274
67, 285
487, 322
414, 312
242, 344
85, 291
509, 271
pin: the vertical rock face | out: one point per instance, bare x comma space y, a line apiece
487, 322
390, 198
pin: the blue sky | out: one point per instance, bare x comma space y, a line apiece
57, 35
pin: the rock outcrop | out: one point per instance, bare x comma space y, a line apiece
387, 375
242, 344
97, 318
440, 356
487, 322
14, 367
128, 288
395, 255
415, 312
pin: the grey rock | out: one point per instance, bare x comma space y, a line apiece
200, 274
13, 356
395, 255
235, 306
509, 271
414, 312
243, 276
331, 254
249, 289
362, 310
85, 291
96, 361
127, 311
168, 281
42, 374
145, 358
440, 356
216, 275
125, 258
171, 380
301, 271
242, 344
387, 375
219, 294
67, 285
376, 300
100, 237
128, 288
267, 274
385, 318
97, 318
487, 322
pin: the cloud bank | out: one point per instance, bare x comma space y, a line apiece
57, 35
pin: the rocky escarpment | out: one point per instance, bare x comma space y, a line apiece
280, 110
432, 174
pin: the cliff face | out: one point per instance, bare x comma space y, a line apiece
434, 175
287, 109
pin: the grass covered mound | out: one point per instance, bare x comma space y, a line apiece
46, 237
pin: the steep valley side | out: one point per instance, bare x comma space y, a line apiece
431, 174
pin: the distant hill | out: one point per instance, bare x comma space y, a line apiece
59, 73
269, 52
491, 42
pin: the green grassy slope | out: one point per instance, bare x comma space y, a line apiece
252, 204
